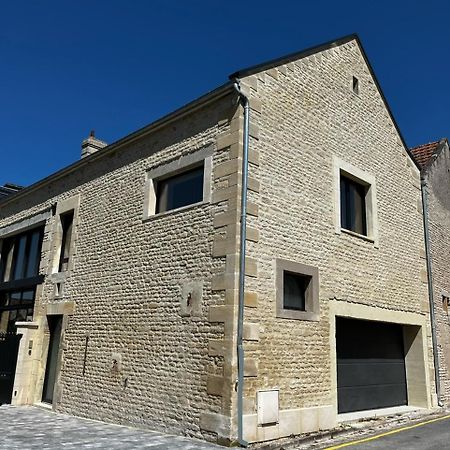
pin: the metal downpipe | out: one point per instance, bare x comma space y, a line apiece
423, 183
243, 233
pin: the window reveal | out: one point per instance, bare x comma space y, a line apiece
180, 190
294, 291
353, 205
67, 232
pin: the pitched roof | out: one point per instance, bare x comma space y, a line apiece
9, 189
209, 97
293, 56
423, 153
320, 48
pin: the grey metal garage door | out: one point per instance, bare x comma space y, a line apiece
370, 365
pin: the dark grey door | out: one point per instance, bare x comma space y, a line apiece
370, 365
9, 347
55, 326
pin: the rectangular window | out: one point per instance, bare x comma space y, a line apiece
21, 255
353, 205
15, 306
180, 190
294, 291
297, 291
67, 228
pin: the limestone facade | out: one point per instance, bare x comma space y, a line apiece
149, 301
436, 185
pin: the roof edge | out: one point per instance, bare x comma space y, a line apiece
188, 108
292, 56
442, 143
319, 48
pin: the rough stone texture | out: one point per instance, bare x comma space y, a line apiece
178, 369
308, 116
438, 194
127, 281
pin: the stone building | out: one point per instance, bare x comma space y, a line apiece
434, 160
121, 271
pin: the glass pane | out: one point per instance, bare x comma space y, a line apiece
34, 255
21, 315
180, 190
353, 206
6, 260
67, 225
27, 296
19, 263
294, 291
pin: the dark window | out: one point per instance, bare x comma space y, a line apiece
21, 255
353, 206
356, 85
179, 190
15, 306
294, 291
67, 227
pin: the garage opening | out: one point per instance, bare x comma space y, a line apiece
370, 365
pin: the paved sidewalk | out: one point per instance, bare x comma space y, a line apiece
28, 428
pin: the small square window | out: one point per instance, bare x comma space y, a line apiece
294, 291
180, 190
297, 291
353, 205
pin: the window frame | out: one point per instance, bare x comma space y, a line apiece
312, 303
171, 169
361, 190
343, 168
164, 180
64, 208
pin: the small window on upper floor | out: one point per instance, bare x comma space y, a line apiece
355, 85
182, 189
355, 201
353, 205
21, 256
178, 185
66, 241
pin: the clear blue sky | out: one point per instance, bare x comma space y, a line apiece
67, 67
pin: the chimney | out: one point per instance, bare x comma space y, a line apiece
91, 145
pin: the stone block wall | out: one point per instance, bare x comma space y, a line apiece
310, 116
438, 194
132, 352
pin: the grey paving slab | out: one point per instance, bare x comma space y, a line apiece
29, 428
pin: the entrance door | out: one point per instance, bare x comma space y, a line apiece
55, 326
9, 348
370, 365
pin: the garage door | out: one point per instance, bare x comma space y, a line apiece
370, 365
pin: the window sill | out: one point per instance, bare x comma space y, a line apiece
174, 211
361, 236
292, 314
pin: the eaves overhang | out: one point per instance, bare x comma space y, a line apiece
242, 73
196, 104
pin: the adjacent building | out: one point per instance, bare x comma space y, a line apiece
434, 160
121, 271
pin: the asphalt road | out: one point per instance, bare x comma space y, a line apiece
428, 435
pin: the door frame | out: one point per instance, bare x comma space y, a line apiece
416, 349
